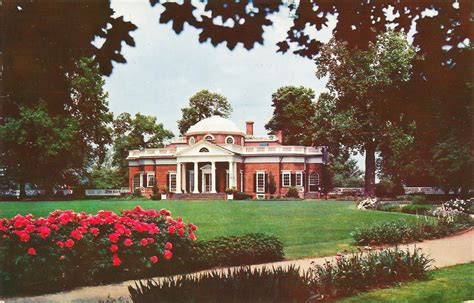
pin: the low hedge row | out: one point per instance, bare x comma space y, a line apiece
236, 250
403, 231
347, 276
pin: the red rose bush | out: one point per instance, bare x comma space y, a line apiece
70, 249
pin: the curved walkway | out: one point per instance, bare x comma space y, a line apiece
449, 251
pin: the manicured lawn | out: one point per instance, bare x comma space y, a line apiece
307, 228
452, 284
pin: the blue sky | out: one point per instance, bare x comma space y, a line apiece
164, 69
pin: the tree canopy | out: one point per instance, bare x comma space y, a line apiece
49, 149
136, 132
203, 104
293, 109
366, 95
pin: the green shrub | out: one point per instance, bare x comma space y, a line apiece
236, 250
238, 285
416, 209
419, 200
388, 207
156, 197
347, 276
242, 196
403, 231
360, 272
292, 192
137, 193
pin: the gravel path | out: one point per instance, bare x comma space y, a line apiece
445, 252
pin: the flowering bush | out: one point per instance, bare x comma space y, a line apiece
368, 203
70, 249
460, 205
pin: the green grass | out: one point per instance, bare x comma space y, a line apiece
306, 228
452, 284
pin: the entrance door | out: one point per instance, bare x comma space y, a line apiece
207, 182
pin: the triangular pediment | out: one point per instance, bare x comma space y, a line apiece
204, 148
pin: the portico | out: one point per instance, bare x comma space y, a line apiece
206, 168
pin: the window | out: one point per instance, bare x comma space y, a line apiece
263, 144
172, 182
204, 150
299, 178
136, 181
150, 180
208, 137
260, 182
313, 182
286, 179
229, 140
192, 140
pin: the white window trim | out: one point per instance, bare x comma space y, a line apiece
148, 175
209, 135
257, 188
283, 173
229, 137
192, 140
299, 173
172, 173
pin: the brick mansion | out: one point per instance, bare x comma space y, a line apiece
215, 155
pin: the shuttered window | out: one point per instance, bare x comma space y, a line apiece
260, 182
286, 179
299, 179
172, 182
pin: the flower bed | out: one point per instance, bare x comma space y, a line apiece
347, 276
69, 249
403, 231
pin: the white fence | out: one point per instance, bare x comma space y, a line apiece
106, 192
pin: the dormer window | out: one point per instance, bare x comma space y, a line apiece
209, 137
192, 140
204, 150
229, 140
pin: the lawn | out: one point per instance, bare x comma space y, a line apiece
307, 228
452, 284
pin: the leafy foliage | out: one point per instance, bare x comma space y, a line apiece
361, 272
403, 231
236, 250
293, 109
347, 276
136, 132
203, 104
242, 284
366, 90
292, 193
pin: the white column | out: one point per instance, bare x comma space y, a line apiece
196, 178
183, 187
178, 178
231, 174
235, 174
213, 177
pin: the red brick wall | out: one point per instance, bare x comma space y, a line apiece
161, 173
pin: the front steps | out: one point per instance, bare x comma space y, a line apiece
201, 196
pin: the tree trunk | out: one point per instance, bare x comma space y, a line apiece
22, 189
370, 169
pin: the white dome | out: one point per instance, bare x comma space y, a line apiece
214, 125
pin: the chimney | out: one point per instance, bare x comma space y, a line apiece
249, 128
279, 135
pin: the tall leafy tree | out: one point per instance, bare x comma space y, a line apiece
366, 87
48, 149
136, 132
293, 110
42, 42
203, 104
